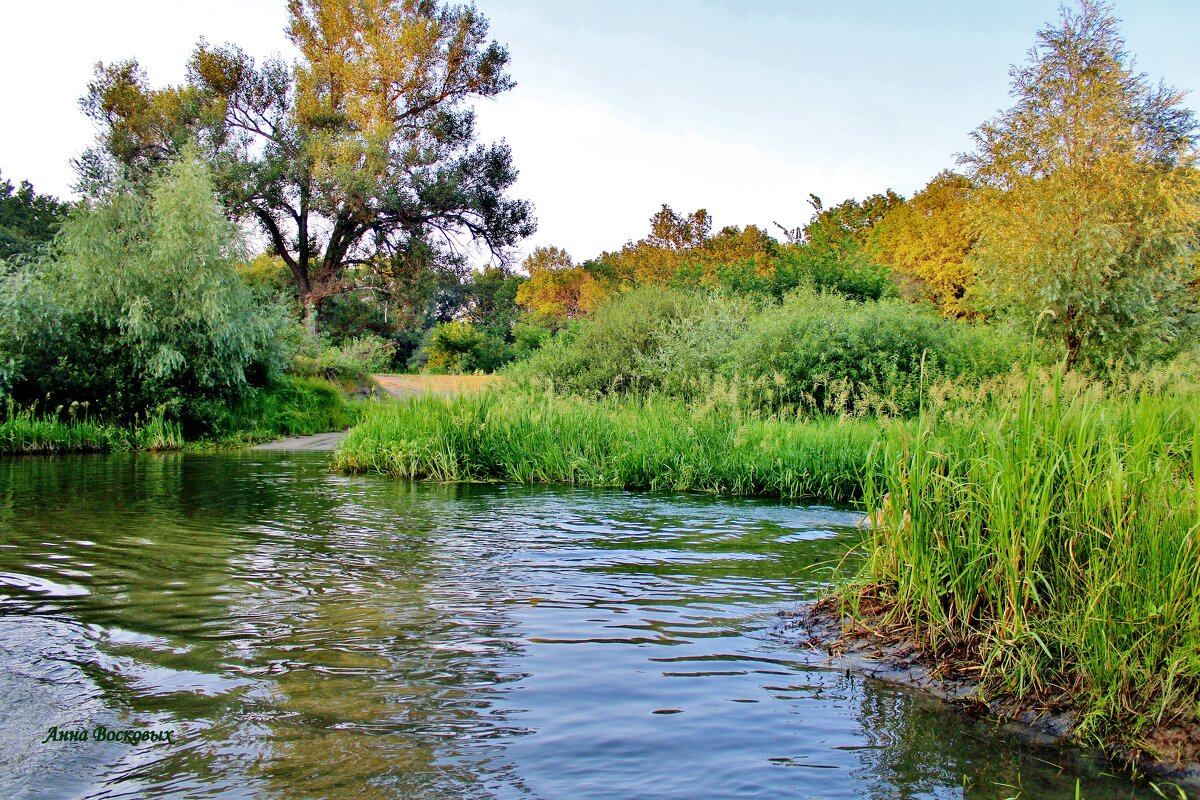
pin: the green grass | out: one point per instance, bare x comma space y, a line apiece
292, 406
26, 430
1052, 546
656, 444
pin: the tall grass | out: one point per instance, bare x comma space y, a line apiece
1052, 545
656, 444
26, 430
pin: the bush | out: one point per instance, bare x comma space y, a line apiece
613, 350
814, 352
832, 355
460, 347
352, 362
140, 308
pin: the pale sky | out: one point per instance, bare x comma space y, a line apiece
743, 108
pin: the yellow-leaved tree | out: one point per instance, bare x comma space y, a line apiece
926, 242
1089, 198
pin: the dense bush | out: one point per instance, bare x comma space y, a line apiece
818, 352
138, 307
836, 356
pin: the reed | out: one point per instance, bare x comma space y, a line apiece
28, 430
652, 443
1051, 547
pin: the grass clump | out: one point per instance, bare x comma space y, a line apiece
26, 430
656, 443
1053, 547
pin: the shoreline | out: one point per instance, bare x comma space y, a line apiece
852, 645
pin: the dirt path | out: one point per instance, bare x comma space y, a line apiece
448, 385
396, 386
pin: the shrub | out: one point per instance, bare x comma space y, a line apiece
835, 356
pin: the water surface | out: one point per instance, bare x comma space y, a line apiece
309, 635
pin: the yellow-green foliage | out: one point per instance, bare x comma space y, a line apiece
926, 242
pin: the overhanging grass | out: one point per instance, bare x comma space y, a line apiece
1052, 546
656, 444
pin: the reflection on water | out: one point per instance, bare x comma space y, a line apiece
310, 635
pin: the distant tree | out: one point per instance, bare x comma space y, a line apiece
27, 219
847, 226
557, 290
1089, 208
926, 243
361, 154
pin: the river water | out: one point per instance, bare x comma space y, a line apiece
302, 634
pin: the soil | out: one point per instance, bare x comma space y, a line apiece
854, 646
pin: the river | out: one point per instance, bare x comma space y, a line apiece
302, 634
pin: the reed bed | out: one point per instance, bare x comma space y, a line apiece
26, 430
653, 443
1052, 547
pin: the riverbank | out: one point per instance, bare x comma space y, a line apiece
657, 444
862, 643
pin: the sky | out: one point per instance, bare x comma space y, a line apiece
742, 107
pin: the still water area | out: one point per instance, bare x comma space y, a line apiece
304, 634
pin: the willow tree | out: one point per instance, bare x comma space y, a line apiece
357, 160
1089, 202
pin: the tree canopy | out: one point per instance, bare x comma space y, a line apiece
359, 158
27, 219
1090, 197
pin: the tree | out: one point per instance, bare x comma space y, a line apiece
846, 226
557, 290
139, 305
359, 155
1089, 201
27, 219
926, 243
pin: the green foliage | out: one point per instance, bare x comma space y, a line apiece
847, 225
27, 220
658, 444
607, 352
821, 353
832, 355
140, 309
352, 362
1050, 540
460, 347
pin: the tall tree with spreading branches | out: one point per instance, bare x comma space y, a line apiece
357, 160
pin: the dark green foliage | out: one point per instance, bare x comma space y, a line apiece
27, 220
291, 406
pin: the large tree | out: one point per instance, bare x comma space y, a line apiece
1089, 202
358, 158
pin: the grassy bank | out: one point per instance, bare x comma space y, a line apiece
656, 444
1052, 547
33, 431
290, 407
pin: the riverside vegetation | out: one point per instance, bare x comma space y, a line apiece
1002, 365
